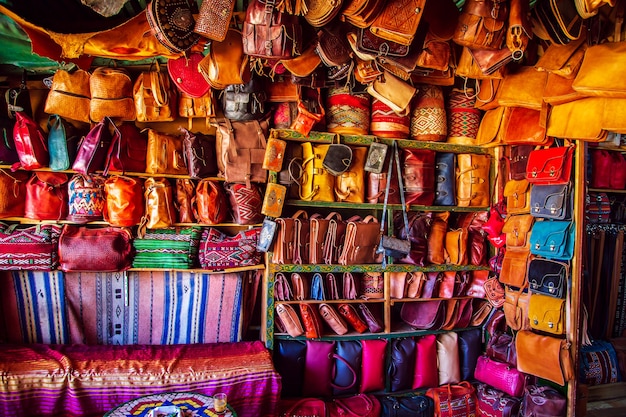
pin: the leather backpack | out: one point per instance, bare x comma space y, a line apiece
270, 34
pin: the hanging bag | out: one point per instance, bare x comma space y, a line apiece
94, 148
30, 144
155, 99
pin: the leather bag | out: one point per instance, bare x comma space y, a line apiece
289, 359
69, 95
165, 154
185, 75
30, 144
29, 247
360, 243
311, 321
424, 315
350, 185
548, 277
494, 402
470, 348
543, 401
219, 251
517, 229
515, 267
551, 201
401, 360
245, 203
598, 73
318, 228
437, 238
282, 288
210, 202
214, 19
335, 237
472, 180
240, 149
544, 356
500, 376
46, 196
547, 314
86, 198
244, 101
558, 21
456, 247
517, 194
347, 367
159, 198
334, 321
289, 319
172, 23
551, 166
454, 400
184, 193
93, 149
501, 347
406, 406
522, 126
482, 24
273, 200
62, 143
307, 407
553, 239
419, 176
515, 308
372, 365
155, 99
402, 30
129, 153
522, 88
270, 34
94, 249
351, 316
111, 95
226, 64
12, 193
426, 373
124, 201
448, 358
445, 186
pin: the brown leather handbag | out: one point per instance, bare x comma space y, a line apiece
165, 154
482, 24
517, 194
47, 196
350, 185
124, 201
240, 148
12, 193
199, 154
517, 230
270, 34
472, 180
111, 95
69, 95
361, 241
128, 154
318, 229
160, 212
515, 267
210, 202
155, 99
389, 25
418, 171
516, 308
456, 246
335, 236
185, 192
437, 238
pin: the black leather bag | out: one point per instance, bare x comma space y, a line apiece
244, 101
406, 406
289, 359
445, 179
401, 363
470, 348
338, 159
548, 277
551, 201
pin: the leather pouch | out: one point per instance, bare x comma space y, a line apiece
210, 202
289, 320
240, 149
472, 180
245, 203
426, 374
62, 143
360, 243
419, 176
69, 95
388, 26
46, 196
547, 314
400, 370
424, 315
445, 187
517, 229
515, 267
332, 289
517, 194
94, 148
544, 356
372, 371
274, 154
124, 201
392, 91
199, 154
548, 277
165, 154
160, 211
333, 319
515, 308
350, 185
551, 201
348, 312
267, 235
553, 239
312, 321
273, 199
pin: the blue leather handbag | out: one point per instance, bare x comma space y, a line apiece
347, 367
289, 357
62, 143
553, 239
445, 179
406, 406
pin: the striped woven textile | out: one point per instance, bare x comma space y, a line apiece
88, 381
119, 309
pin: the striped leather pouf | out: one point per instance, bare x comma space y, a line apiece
388, 124
428, 114
347, 112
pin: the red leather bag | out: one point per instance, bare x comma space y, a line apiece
46, 196
373, 364
361, 405
454, 400
128, 154
210, 202
550, 166
418, 172
94, 249
12, 193
29, 143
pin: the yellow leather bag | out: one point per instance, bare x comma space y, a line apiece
523, 88
544, 356
517, 194
316, 183
160, 212
456, 246
547, 313
165, 154
70, 95
226, 63
472, 180
580, 119
155, 100
602, 71
111, 95
489, 129
350, 185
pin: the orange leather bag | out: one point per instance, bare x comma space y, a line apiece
210, 202
124, 201
160, 212
165, 154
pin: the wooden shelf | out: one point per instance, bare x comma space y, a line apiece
202, 271
379, 206
372, 268
119, 173
606, 190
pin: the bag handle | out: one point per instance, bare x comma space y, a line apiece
352, 371
115, 148
369, 405
317, 402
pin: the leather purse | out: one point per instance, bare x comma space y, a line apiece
196, 107
289, 319
547, 313
445, 185
476, 286
401, 406
456, 246
270, 34
424, 315
372, 285
347, 367
128, 154
245, 203
517, 194
184, 74
545, 400
332, 289
494, 291
172, 23
470, 348
494, 402
551, 201
472, 180
500, 376
30, 145
431, 284
597, 68
401, 359
377, 183
111, 95
348, 312
373, 317
273, 200
124, 201
210, 203
419, 176
392, 91
447, 283
544, 356
284, 243
155, 99
350, 184
12, 193
95, 249
548, 277
334, 320
553, 239
289, 360
515, 308
311, 321
240, 149
85, 198
318, 230
501, 347
349, 286
318, 289
437, 238
214, 19
301, 226
360, 242
372, 365
165, 154
282, 288
335, 237
62, 143
551, 166
337, 159
482, 24
448, 358
46, 196
185, 192
523, 126
558, 20
300, 287
518, 160
199, 154
244, 101
454, 399
226, 64
425, 373
388, 26
69, 95
94, 148
522, 88
515, 267
397, 284
517, 229
159, 198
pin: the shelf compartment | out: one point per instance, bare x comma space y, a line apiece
342, 301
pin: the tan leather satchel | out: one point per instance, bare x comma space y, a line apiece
226, 64
350, 185
517, 230
165, 154
437, 238
70, 95
456, 246
517, 194
472, 180
398, 20
514, 267
361, 241
160, 212
155, 100
111, 95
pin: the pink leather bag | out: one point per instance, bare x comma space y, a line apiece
426, 374
500, 375
318, 368
373, 365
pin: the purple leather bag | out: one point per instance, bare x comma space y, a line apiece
543, 402
491, 402
318, 369
419, 228
424, 315
401, 363
500, 375
94, 148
